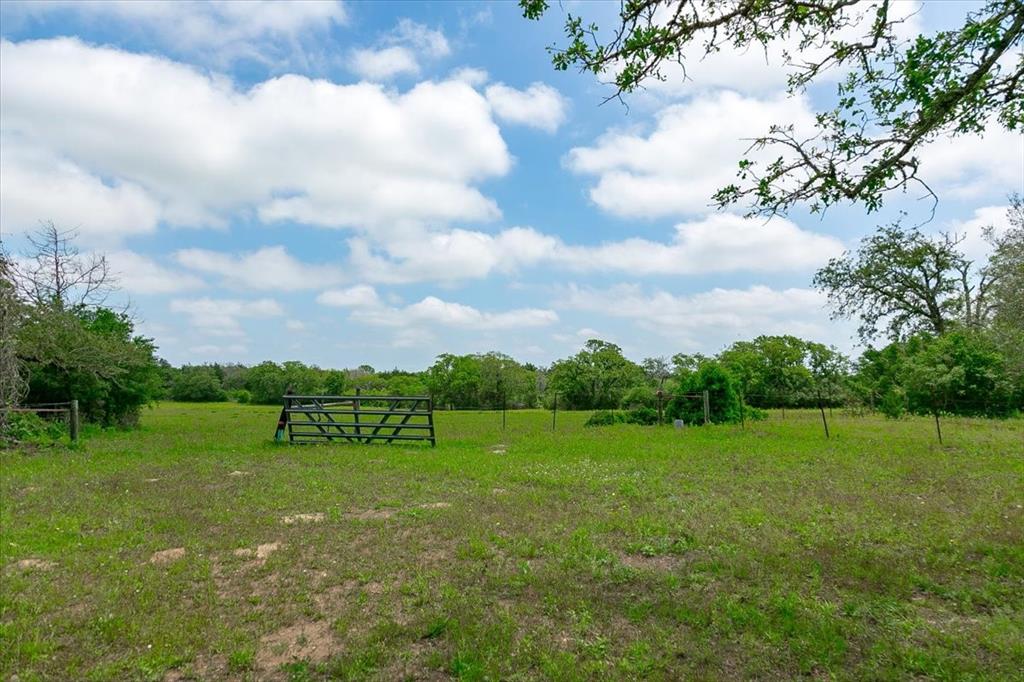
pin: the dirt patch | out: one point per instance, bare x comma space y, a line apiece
260, 553
335, 595
166, 556
240, 473
150, 480
498, 449
435, 505
652, 563
498, 491
302, 518
371, 514
34, 565
305, 641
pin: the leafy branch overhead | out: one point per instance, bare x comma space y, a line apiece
896, 93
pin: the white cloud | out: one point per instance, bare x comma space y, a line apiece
425, 40
42, 186
384, 63
971, 167
138, 274
399, 52
272, 32
268, 268
972, 231
295, 325
691, 153
539, 106
712, 319
290, 148
357, 296
220, 317
470, 76
721, 242
215, 352
756, 70
434, 311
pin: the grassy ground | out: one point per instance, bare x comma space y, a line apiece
618, 552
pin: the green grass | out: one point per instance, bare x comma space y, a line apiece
618, 552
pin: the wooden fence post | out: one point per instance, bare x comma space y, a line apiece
355, 410
707, 408
73, 421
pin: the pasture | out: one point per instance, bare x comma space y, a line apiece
196, 548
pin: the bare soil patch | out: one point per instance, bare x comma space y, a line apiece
371, 514
435, 505
662, 562
166, 556
239, 473
34, 565
302, 518
303, 641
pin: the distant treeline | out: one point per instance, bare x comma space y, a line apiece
961, 372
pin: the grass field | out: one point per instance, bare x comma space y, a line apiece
618, 552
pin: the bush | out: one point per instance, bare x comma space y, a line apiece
640, 396
894, 403
645, 416
240, 396
27, 427
723, 398
605, 418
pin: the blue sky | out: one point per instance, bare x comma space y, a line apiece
371, 183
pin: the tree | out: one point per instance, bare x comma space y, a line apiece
770, 370
723, 400
595, 378
1006, 269
901, 282
54, 273
454, 380
199, 384
894, 96
12, 378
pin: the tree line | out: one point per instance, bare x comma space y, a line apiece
951, 332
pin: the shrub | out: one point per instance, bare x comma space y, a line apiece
645, 416
640, 396
27, 427
893, 403
605, 418
240, 396
723, 398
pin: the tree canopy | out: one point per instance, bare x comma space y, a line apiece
896, 93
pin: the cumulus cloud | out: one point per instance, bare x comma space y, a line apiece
268, 268
974, 245
367, 307
399, 52
434, 311
357, 296
539, 106
757, 70
38, 185
290, 148
221, 317
970, 167
383, 64
137, 274
274, 32
722, 242
692, 152
711, 319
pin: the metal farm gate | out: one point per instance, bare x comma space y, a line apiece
359, 418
